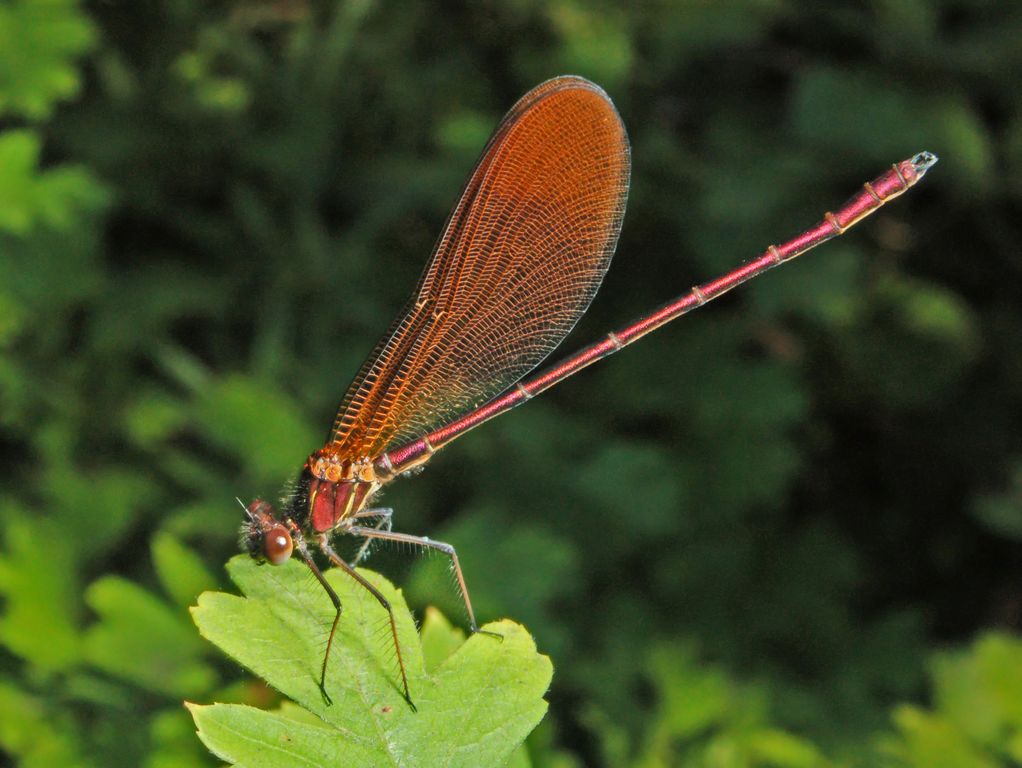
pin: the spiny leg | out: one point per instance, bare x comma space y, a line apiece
324, 545
385, 514
299, 541
425, 541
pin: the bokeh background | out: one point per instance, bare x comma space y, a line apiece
783, 532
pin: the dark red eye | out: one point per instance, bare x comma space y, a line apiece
277, 545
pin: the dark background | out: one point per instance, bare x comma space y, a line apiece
782, 532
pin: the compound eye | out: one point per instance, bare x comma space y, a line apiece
277, 545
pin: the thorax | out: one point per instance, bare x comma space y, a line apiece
337, 488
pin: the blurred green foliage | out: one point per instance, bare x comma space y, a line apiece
784, 532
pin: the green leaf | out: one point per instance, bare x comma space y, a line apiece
93, 509
776, 748
693, 697
257, 422
519, 759
181, 571
594, 41
29, 196
11, 318
980, 690
152, 417
976, 719
36, 735
141, 639
439, 638
1001, 512
39, 592
929, 741
38, 44
465, 132
473, 709
173, 741
929, 310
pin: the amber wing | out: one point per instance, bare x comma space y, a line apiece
521, 256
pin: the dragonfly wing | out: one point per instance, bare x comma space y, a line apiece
518, 262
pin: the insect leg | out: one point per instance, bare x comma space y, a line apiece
425, 541
384, 514
324, 545
299, 541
